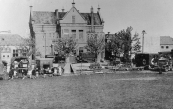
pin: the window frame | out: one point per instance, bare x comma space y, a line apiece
15, 53
73, 19
73, 33
81, 32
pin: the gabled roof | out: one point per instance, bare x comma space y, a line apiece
87, 16
41, 17
73, 11
61, 14
10, 39
166, 40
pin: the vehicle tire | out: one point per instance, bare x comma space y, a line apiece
166, 69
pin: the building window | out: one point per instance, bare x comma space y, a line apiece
162, 47
4, 56
8, 56
24, 52
81, 34
167, 47
73, 19
73, 33
66, 32
15, 53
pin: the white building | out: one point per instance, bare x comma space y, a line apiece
166, 43
9, 44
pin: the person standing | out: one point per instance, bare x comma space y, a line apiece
55, 71
60, 70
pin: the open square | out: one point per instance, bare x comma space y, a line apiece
130, 90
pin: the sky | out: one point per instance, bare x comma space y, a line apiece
153, 16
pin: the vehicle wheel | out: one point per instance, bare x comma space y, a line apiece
166, 69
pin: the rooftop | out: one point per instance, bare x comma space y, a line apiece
10, 39
42, 17
166, 40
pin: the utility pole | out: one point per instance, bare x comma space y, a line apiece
143, 32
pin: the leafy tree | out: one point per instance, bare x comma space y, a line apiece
27, 47
112, 45
95, 44
121, 43
136, 47
65, 45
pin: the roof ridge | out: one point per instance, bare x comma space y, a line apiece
44, 11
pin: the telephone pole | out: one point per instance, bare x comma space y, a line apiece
143, 32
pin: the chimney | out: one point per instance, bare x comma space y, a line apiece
92, 19
63, 9
98, 8
73, 4
31, 15
30, 9
57, 16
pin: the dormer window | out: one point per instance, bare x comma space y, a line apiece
73, 19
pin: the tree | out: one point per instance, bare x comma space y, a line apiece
95, 44
121, 43
136, 47
112, 45
27, 47
65, 45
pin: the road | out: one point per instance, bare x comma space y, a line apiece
107, 91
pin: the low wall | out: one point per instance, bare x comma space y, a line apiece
78, 67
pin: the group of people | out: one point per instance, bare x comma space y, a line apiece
35, 72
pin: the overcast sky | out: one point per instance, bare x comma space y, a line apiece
153, 16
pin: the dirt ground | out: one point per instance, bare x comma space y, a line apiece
97, 91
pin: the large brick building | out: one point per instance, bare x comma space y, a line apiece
47, 26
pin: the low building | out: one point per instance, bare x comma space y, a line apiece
166, 43
9, 44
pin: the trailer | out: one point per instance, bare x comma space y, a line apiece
144, 60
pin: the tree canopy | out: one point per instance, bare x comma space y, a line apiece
121, 43
65, 45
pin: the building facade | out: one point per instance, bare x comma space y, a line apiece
47, 26
10, 47
166, 43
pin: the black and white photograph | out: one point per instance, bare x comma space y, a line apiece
86, 54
